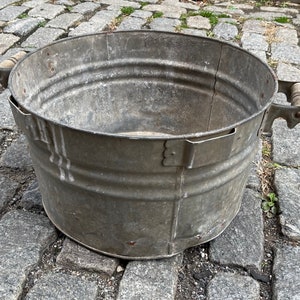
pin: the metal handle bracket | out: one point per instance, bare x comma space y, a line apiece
194, 154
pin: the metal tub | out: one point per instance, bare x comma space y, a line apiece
141, 141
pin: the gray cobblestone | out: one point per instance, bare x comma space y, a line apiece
286, 53
85, 7
285, 150
55, 286
34, 3
296, 20
153, 279
10, 13
287, 184
233, 6
5, 3
288, 72
225, 31
96, 24
283, 10
229, 11
23, 237
286, 273
23, 27
17, 156
121, 3
268, 16
254, 41
194, 32
287, 35
7, 190
143, 14
198, 22
247, 227
232, 286
6, 117
75, 256
131, 24
32, 197
42, 37
256, 26
65, 21
46, 11
165, 23
186, 5
169, 11
6, 41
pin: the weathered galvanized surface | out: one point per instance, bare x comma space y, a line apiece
141, 141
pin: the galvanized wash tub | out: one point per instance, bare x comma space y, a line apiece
141, 141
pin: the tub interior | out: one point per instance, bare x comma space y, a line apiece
151, 82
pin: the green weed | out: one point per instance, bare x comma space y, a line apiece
127, 10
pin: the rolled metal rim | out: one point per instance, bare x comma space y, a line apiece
141, 136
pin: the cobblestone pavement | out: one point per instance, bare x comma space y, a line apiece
257, 257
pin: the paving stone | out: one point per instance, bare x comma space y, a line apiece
85, 7
55, 286
32, 197
7, 189
254, 41
17, 155
121, 3
65, 2
232, 287
242, 243
296, 21
7, 120
5, 3
165, 23
96, 24
267, 16
143, 14
198, 22
287, 185
196, 32
65, 21
152, 279
186, 5
23, 27
10, 13
256, 26
46, 11
23, 238
228, 21
287, 72
131, 24
286, 273
228, 11
260, 54
169, 11
76, 256
285, 52
231, 5
42, 37
6, 41
284, 10
285, 144
34, 3
225, 31
287, 35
